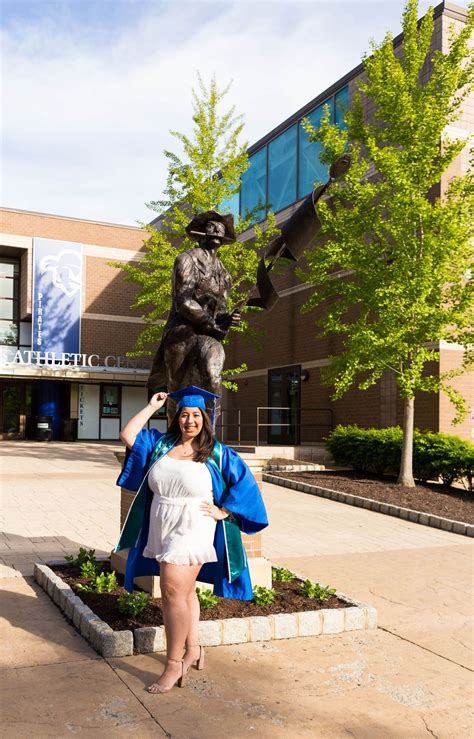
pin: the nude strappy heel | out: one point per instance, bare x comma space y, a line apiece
179, 682
198, 663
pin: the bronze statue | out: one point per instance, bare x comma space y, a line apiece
191, 352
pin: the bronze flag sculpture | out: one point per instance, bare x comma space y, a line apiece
191, 351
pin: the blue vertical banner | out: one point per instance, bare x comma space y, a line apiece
57, 289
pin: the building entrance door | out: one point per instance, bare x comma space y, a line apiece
284, 403
15, 409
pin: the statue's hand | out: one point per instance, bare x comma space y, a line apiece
227, 320
235, 317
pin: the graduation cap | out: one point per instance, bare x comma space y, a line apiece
195, 397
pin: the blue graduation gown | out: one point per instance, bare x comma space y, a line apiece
234, 487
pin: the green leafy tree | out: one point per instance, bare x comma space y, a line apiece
392, 273
205, 178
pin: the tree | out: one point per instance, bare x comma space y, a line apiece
205, 179
399, 245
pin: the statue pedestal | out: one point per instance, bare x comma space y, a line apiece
260, 568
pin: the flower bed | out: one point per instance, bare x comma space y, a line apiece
96, 614
452, 503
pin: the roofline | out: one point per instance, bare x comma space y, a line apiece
449, 9
6, 209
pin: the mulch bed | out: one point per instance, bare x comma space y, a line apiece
439, 500
283, 461
105, 605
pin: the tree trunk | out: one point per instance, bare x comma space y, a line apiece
406, 467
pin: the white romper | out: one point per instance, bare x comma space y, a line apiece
180, 533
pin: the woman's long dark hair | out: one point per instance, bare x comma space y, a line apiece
204, 440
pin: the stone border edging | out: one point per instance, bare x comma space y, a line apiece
110, 643
312, 467
425, 519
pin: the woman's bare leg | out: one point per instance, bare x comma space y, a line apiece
192, 638
176, 582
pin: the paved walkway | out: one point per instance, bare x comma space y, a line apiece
410, 678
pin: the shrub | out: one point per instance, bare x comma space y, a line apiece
263, 596
206, 598
280, 574
315, 590
90, 569
105, 582
85, 555
378, 451
132, 604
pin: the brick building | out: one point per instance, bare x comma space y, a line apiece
97, 385
285, 372
94, 384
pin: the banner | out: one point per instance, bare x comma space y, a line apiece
57, 288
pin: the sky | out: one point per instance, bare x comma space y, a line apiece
92, 88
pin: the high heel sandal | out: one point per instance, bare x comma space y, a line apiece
179, 682
198, 663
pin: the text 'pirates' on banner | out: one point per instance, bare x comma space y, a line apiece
57, 283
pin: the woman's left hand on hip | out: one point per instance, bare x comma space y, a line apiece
218, 514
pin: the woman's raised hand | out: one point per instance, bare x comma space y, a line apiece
158, 400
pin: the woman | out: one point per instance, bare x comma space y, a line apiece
188, 484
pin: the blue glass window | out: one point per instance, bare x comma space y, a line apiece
253, 193
231, 205
282, 170
341, 104
310, 168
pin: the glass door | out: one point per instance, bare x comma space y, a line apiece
284, 405
15, 409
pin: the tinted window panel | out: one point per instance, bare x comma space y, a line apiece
231, 205
341, 105
8, 333
8, 287
311, 170
253, 192
9, 269
282, 170
9, 309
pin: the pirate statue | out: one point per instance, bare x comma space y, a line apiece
191, 352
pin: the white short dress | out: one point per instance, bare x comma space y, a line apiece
180, 533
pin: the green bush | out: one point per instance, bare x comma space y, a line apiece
84, 556
90, 569
103, 583
132, 604
378, 451
206, 598
263, 596
280, 574
316, 591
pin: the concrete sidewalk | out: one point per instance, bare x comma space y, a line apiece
410, 678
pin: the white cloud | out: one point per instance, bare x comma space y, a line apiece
88, 107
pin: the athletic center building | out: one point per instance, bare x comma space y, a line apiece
66, 327
66, 323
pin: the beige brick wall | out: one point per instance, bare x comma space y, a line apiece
25, 223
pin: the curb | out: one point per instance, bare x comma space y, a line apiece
110, 643
313, 467
425, 519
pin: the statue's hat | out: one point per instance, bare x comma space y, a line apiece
197, 227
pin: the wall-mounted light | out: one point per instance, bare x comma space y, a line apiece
304, 376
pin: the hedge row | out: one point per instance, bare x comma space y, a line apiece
378, 451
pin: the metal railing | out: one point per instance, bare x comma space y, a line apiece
293, 422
